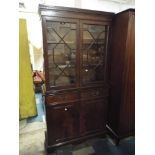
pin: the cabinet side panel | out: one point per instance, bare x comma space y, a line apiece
118, 47
127, 111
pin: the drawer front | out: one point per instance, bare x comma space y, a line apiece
94, 93
64, 97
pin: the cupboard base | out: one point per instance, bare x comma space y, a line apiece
52, 148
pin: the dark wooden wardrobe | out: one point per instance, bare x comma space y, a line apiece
76, 60
121, 114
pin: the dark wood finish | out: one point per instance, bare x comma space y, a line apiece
65, 97
62, 122
98, 92
121, 116
93, 116
76, 105
75, 13
77, 140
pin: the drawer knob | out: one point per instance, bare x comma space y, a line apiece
66, 109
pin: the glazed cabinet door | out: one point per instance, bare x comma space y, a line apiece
62, 122
93, 116
60, 52
94, 45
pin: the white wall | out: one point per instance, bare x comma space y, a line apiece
67, 3
102, 5
34, 23
34, 30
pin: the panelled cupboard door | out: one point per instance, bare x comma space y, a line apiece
62, 123
94, 42
93, 116
60, 52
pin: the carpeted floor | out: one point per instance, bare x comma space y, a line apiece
32, 143
99, 147
40, 109
32, 138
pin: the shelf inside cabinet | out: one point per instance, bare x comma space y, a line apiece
90, 40
55, 42
91, 65
62, 66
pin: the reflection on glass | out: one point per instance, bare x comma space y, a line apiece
94, 37
61, 53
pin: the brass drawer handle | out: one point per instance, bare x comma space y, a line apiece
66, 109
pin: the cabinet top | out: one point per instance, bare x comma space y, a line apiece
72, 10
127, 10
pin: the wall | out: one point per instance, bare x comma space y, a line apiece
34, 23
102, 5
35, 38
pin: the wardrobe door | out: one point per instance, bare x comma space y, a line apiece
60, 45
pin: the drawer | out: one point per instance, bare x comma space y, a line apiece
64, 97
94, 93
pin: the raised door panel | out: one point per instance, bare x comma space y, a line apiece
93, 116
93, 52
60, 52
62, 122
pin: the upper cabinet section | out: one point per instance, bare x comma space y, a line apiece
75, 46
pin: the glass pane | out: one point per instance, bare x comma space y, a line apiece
61, 53
88, 75
93, 53
93, 74
51, 47
52, 36
87, 38
96, 31
62, 75
70, 39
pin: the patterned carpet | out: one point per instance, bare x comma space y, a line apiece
32, 138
